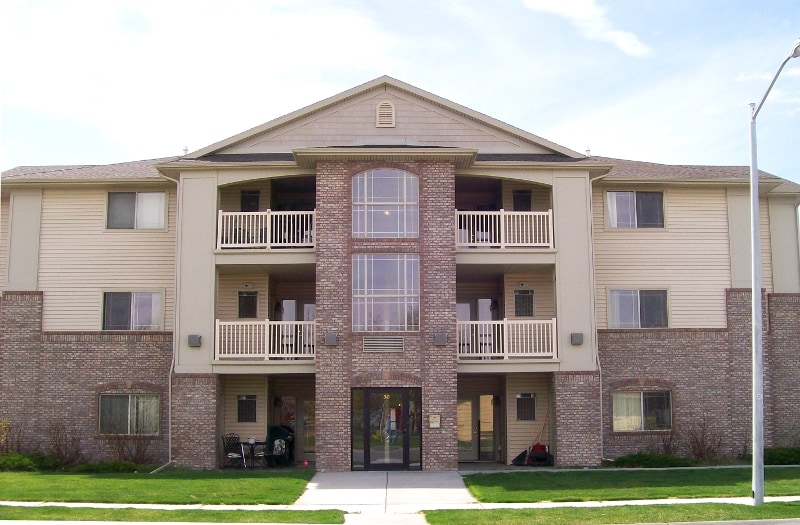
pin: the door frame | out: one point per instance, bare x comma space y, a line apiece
404, 424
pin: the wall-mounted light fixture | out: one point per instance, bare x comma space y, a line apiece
331, 339
194, 340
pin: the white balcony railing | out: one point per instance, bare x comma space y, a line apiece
502, 229
267, 340
507, 339
265, 229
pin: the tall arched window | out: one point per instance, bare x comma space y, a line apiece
385, 204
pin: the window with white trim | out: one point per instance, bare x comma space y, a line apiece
132, 310
635, 209
636, 411
129, 414
385, 292
637, 309
129, 210
385, 204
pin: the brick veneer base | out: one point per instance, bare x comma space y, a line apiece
50, 381
709, 374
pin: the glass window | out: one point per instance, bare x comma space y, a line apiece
246, 409
131, 210
385, 204
132, 310
635, 209
248, 305
132, 414
526, 407
521, 200
637, 309
633, 411
523, 303
385, 292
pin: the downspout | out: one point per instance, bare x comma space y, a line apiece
594, 320
174, 341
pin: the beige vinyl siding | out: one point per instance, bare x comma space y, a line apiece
4, 205
540, 195
544, 306
521, 434
230, 197
241, 385
79, 259
690, 257
417, 123
228, 290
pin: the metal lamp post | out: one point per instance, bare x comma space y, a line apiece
755, 253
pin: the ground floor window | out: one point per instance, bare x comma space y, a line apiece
634, 411
129, 414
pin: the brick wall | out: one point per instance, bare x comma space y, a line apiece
51, 381
576, 418
196, 434
709, 372
421, 364
782, 362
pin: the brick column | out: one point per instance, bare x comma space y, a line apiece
333, 314
577, 418
438, 314
196, 433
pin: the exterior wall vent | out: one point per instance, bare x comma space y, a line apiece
384, 115
383, 343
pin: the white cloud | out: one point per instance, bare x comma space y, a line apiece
591, 21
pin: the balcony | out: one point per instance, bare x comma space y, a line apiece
504, 229
507, 339
265, 340
266, 230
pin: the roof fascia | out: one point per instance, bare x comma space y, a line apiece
460, 157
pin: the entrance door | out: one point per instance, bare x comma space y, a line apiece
387, 430
475, 427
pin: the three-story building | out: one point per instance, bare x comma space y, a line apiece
401, 282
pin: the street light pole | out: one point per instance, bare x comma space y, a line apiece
755, 253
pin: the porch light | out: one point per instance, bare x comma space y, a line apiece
755, 254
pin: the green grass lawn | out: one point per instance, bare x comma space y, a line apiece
622, 484
611, 515
172, 486
284, 487
137, 516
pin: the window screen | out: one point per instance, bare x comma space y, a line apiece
526, 407
246, 408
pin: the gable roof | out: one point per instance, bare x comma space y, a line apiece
384, 83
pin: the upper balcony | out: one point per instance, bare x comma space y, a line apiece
494, 341
271, 230
504, 229
268, 230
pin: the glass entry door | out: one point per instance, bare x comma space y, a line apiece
387, 430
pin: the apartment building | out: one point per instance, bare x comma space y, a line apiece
402, 282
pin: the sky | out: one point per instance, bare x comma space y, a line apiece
102, 81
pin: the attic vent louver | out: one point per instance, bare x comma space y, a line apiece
384, 115
383, 343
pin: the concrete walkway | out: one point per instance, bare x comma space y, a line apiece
398, 498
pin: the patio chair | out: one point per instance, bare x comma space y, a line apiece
233, 451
